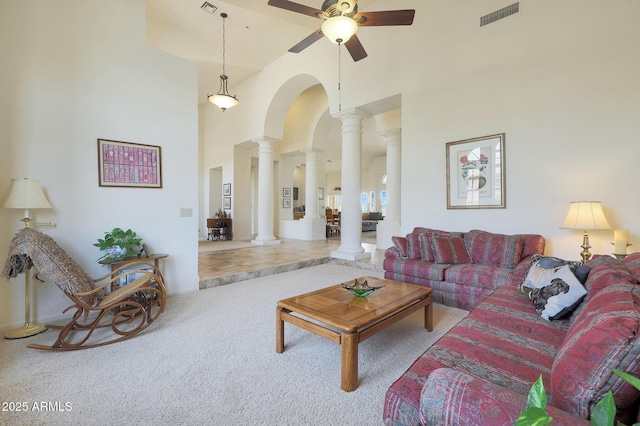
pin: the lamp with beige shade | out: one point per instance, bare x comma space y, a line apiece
586, 216
27, 194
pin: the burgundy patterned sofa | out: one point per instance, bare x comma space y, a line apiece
461, 268
481, 371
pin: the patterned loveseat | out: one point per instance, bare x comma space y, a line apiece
461, 268
481, 371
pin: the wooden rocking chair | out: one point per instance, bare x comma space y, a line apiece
100, 318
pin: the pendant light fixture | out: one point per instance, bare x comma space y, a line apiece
223, 99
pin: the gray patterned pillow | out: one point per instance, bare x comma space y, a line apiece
559, 296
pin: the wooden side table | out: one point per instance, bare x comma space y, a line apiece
152, 258
220, 228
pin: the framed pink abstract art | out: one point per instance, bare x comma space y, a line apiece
126, 164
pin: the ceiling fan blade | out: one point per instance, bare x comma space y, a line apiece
355, 48
389, 17
295, 7
315, 36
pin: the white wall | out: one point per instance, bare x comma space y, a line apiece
372, 181
559, 78
73, 73
565, 98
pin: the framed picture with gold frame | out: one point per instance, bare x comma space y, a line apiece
476, 173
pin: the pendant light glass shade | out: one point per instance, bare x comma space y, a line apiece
223, 99
339, 29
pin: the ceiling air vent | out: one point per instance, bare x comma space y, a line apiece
208, 7
500, 14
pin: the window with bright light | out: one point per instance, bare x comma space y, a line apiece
335, 202
383, 202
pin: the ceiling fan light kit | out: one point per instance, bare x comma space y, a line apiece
339, 29
223, 99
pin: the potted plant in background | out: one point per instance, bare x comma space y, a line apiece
118, 244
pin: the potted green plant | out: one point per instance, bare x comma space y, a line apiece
118, 244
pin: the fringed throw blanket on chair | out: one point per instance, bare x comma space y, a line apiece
126, 310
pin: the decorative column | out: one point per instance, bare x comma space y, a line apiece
311, 197
390, 226
265, 192
351, 182
314, 225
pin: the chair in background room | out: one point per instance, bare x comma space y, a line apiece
333, 222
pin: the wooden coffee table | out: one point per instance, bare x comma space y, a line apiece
348, 320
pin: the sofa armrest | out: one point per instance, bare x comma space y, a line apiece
522, 267
450, 396
392, 253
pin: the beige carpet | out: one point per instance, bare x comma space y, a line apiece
208, 246
211, 360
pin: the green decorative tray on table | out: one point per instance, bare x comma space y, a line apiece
360, 289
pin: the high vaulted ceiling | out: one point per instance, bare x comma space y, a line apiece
256, 34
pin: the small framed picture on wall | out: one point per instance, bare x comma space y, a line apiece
226, 203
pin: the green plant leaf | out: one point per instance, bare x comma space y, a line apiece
604, 413
124, 239
629, 378
537, 395
534, 416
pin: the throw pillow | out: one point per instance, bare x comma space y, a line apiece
413, 247
449, 250
426, 247
542, 268
486, 248
562, 294
401, 244
605, 270
632, 262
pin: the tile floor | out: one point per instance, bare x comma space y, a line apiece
238, 264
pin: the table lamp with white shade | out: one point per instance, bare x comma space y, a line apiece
28, 195
586, 216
